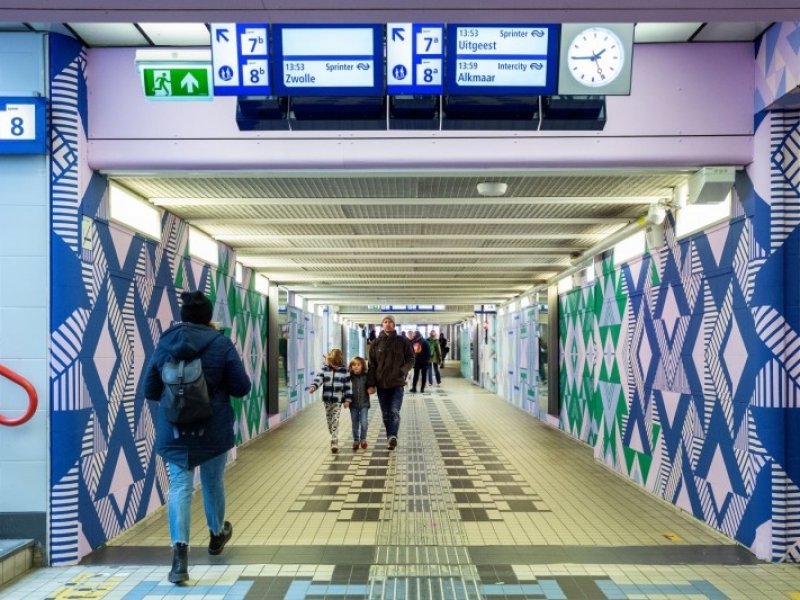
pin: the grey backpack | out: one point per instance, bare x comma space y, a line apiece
185, 399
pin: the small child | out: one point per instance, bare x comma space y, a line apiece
359, 407
334, 380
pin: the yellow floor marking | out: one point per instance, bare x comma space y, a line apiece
82, 586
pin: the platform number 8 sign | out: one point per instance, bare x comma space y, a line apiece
18, 122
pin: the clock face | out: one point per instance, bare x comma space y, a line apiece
595, 57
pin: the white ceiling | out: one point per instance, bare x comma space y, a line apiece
355, 239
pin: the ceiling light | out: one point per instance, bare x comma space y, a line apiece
492, 188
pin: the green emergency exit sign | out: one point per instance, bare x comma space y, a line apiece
177, 83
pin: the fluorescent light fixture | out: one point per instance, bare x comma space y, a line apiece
177, 34
262, 285
565, 284
238, 273
694, 217
133, 212
203, 246
492, 188
629, 248
648, 33
109, 34
731, 32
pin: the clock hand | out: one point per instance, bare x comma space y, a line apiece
592, 57
599, 54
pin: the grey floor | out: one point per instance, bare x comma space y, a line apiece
479, 500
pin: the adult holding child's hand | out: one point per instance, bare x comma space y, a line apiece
391, 357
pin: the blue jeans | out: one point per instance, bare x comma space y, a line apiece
391, 400
179, 504
360, 418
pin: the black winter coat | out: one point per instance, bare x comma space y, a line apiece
390, 360
225, 376
422, 351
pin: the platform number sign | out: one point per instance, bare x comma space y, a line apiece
240, 54
414, 58
22, 126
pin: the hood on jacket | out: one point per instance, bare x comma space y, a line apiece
186, 341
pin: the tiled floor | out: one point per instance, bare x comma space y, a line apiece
478, 501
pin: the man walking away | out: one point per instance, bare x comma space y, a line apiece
205, 443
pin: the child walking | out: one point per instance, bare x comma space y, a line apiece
334, 380
359, 407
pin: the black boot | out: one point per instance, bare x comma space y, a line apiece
180, 563
217, 542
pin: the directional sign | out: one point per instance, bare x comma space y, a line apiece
22, 126
414, 58
168, 82
329, 60
502, 59
240, 53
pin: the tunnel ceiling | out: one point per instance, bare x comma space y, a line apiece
356, 239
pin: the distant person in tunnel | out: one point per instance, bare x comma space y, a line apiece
390, 359
443, 347
422, 356
436, 359
204, 443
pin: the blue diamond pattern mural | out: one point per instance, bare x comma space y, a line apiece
685, 378
113, 294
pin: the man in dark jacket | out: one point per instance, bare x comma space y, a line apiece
390, 359
422, 356
205, 444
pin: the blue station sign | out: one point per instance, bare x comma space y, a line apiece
240, 55
414, 58
23, 125
329, 60
502, 59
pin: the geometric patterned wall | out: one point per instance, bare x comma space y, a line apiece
518, 358
682, 368
112, 294
777, 65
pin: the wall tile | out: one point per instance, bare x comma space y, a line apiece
23, 332
28, 236
24, 281
23, 486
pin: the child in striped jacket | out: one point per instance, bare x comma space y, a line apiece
334, 379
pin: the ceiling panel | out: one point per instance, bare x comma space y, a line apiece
727, 32
408, 238
109, 34
177, 34
648, 33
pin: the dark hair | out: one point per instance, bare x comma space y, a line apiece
196, 308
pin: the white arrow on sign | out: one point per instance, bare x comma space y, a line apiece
189, 83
